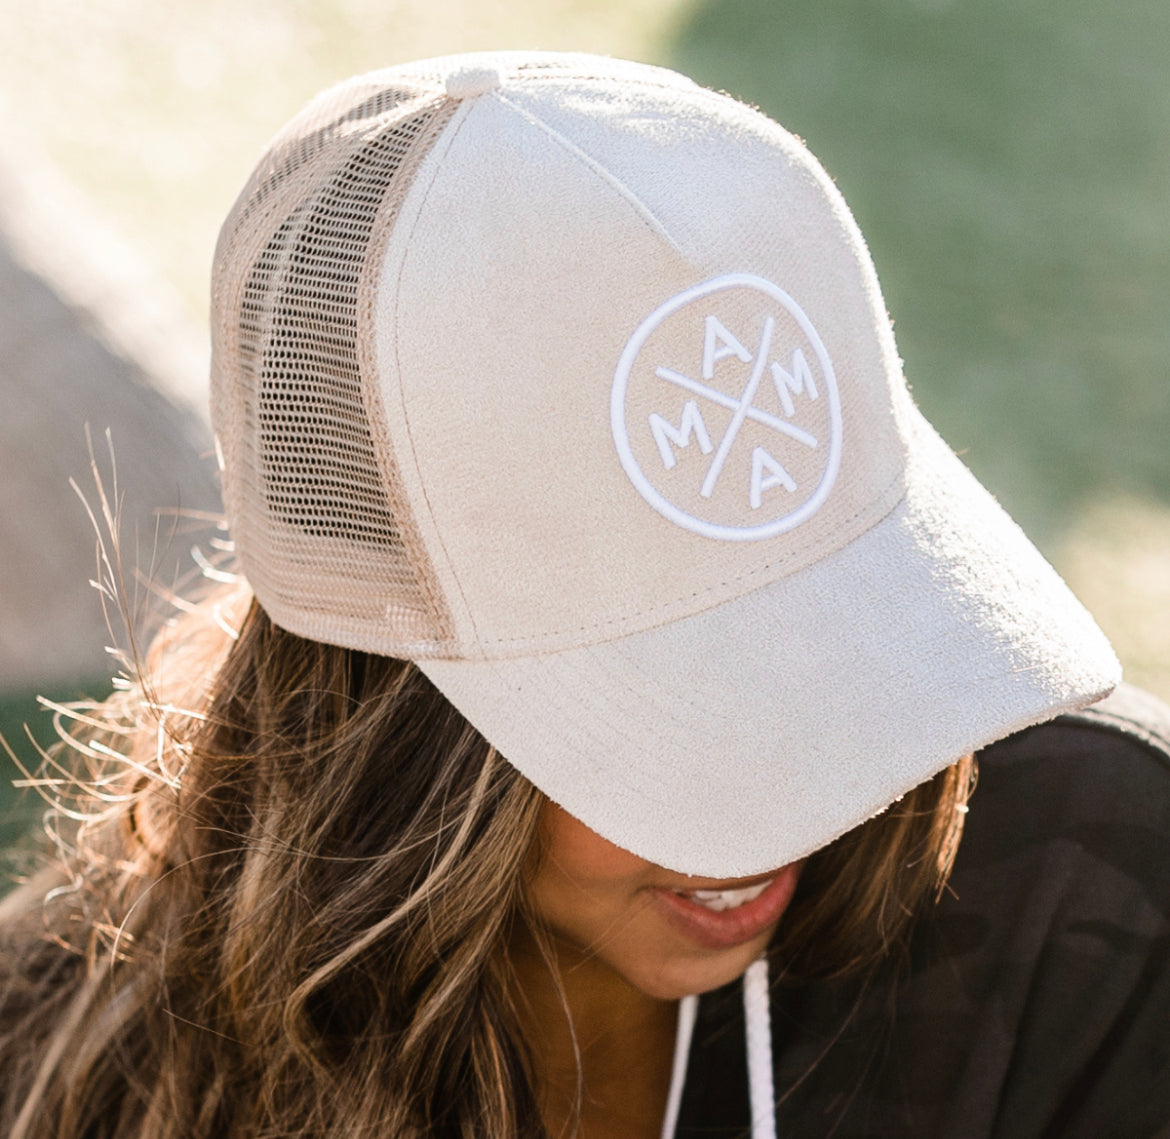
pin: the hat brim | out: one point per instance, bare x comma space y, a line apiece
744, 738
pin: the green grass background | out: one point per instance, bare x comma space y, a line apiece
19, 809
1008, 160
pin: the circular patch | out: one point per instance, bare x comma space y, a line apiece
725, 410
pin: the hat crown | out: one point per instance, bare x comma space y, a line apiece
538, 288
572, 382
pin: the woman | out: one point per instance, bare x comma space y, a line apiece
613, 626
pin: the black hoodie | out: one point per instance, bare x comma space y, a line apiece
1033, 1001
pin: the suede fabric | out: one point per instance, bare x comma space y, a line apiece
573, 382
504, 317
748, 736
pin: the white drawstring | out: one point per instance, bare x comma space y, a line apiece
688, 1008
758, 1021
757, 1015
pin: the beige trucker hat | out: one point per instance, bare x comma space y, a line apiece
572, 381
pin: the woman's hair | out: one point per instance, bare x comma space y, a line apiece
288, 875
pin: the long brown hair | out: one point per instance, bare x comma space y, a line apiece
282, 899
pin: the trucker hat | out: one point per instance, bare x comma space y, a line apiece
572, 381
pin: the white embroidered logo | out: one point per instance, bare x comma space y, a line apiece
725, 410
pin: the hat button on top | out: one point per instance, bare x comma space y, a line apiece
468, 82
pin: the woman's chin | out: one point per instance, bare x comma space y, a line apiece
675, 977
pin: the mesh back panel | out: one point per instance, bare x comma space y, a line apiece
320, 524
329, 551
285, 157
316, 450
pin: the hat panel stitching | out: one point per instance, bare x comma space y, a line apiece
454, 129
879, 507
595, 167
383, 226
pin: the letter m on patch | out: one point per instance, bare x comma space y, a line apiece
799, 380
665, 433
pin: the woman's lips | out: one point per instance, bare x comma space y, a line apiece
726, 928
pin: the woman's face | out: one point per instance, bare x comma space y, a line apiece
665, 933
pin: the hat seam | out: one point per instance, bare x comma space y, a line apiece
873, 505
444, 110
631, 199
531, 76
446, 140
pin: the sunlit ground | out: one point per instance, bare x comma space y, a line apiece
1011, 169
160, 108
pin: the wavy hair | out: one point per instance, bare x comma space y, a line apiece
287, 876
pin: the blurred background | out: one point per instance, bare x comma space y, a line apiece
1009, 162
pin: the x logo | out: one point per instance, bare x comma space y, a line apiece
741, 409
660, 401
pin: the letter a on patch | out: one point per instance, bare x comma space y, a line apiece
717, 343
776, 476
